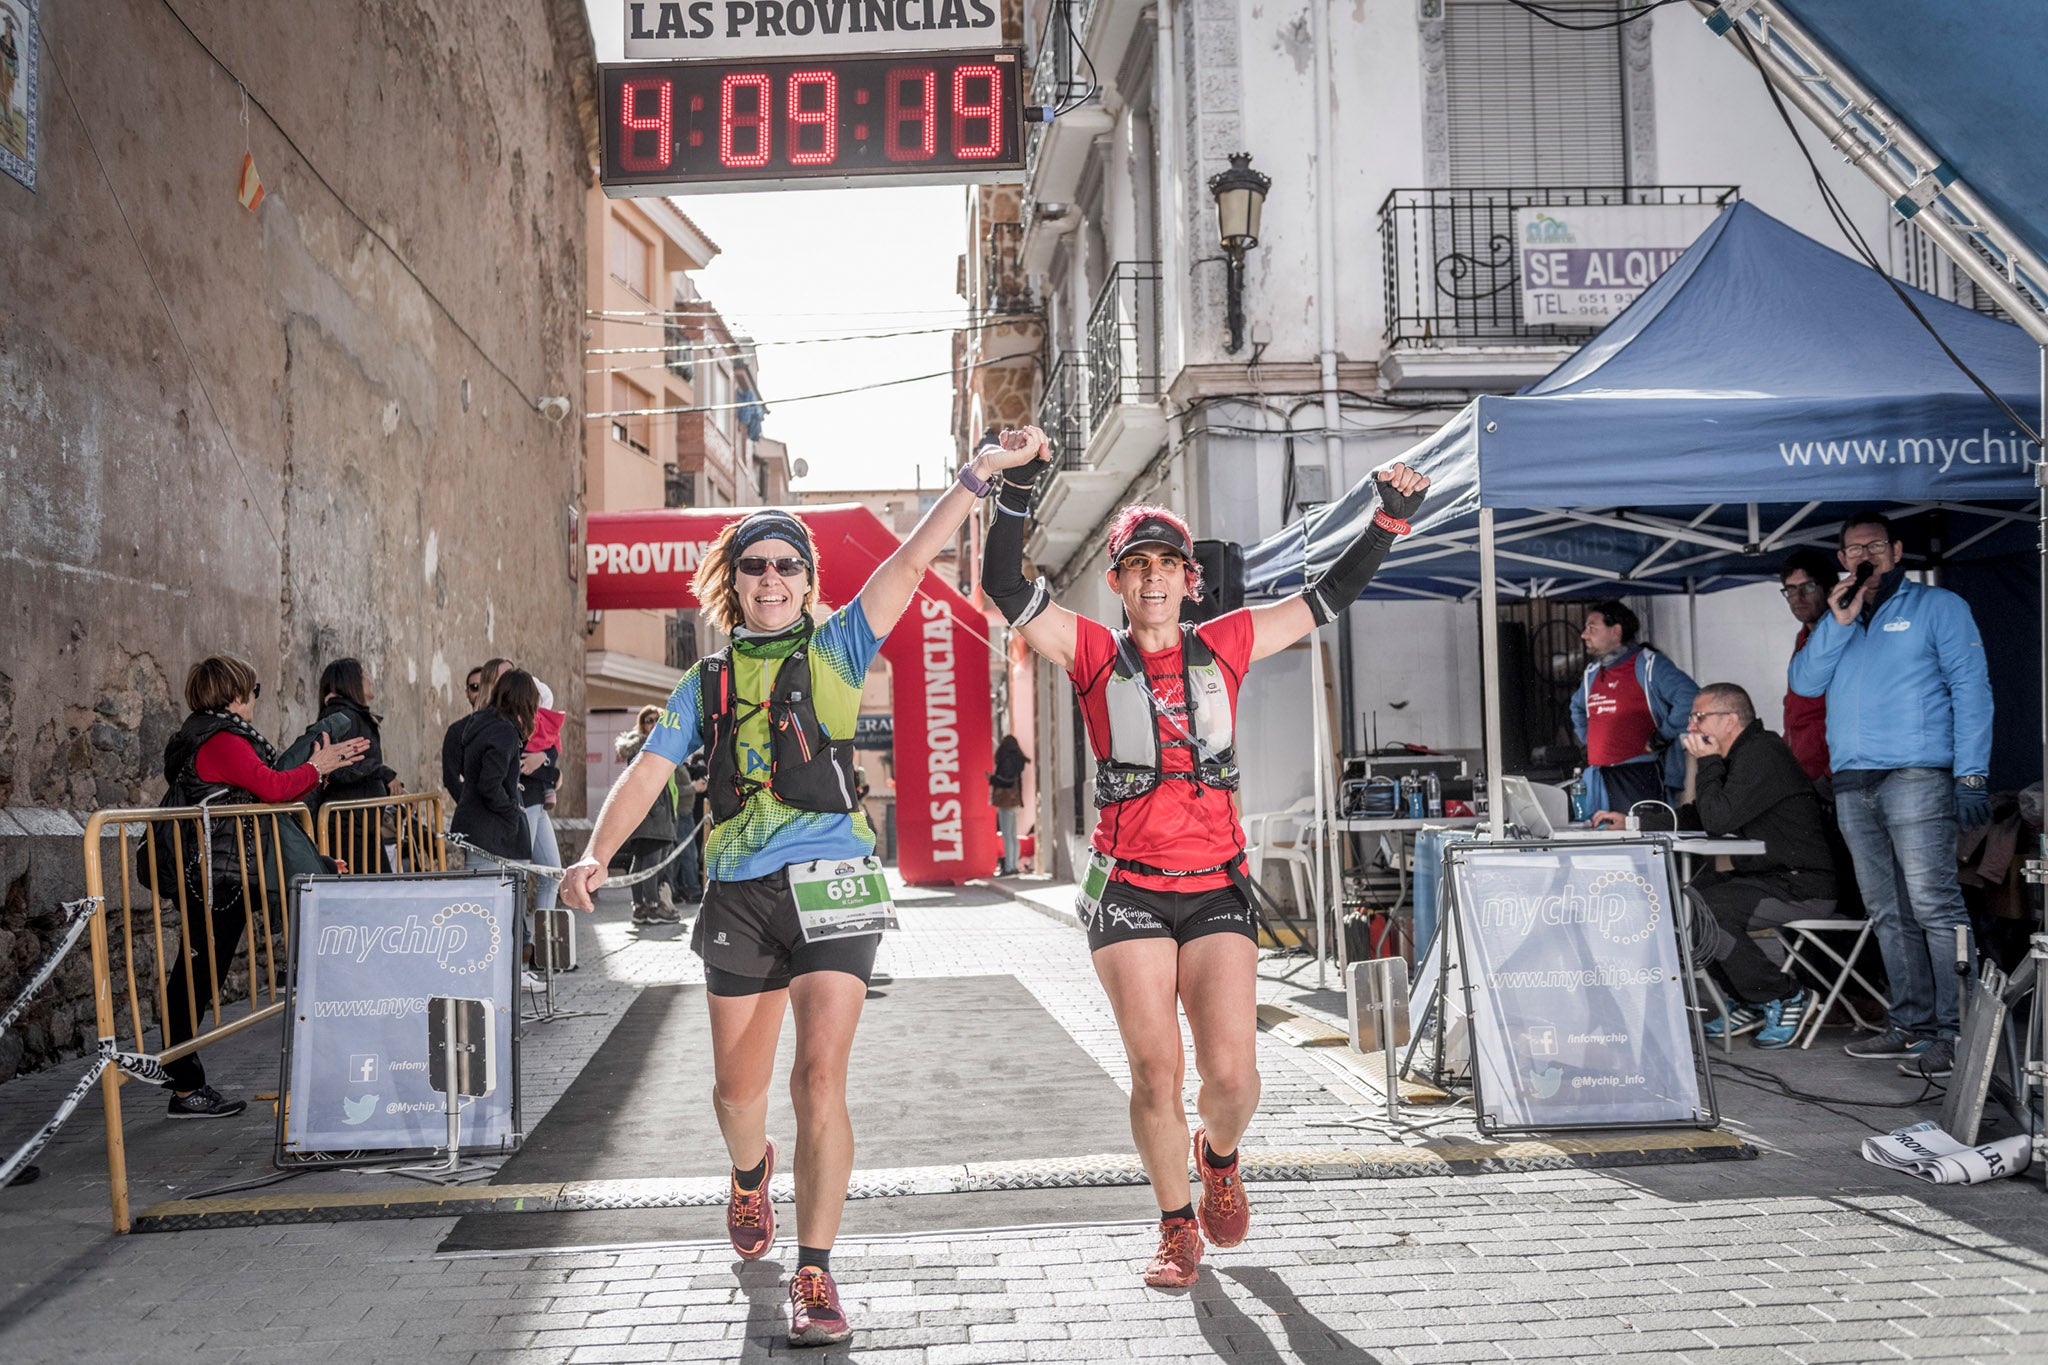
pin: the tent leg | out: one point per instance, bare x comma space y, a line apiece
1489, 668
1692, 624
1328, 835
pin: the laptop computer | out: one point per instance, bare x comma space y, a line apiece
1523, 809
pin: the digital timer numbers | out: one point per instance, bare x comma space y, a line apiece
853, 116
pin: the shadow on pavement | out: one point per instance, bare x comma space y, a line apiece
1233, 1335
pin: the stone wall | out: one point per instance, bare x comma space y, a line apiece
301, 432
289, 434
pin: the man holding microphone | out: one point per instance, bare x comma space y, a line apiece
1909, 737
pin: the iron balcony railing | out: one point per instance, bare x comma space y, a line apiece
1004, 287
1452, 270
1057, 80
1123, 340
1063, 408
682, 642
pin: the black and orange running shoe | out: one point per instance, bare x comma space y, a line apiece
1224, 1213
815, 1317
750, 1217
1179, 1258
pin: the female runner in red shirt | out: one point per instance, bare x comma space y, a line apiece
1172, 923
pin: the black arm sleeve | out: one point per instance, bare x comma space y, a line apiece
1338, 586
1002, 551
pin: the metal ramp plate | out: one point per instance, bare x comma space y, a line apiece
1115, 1168
1299, 1030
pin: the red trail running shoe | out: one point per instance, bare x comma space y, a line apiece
815, 1317
750, 1218
1179, 1258
1225, 1215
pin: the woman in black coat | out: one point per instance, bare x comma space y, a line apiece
345, 691
490, 814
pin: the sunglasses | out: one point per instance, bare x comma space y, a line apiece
473, 688
255, 691
789, 566
1140, 563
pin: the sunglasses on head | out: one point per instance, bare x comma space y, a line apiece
753, 566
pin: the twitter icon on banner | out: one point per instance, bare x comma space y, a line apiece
357, 1111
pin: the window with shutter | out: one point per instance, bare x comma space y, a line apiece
629, 252
628, 397
1529, 103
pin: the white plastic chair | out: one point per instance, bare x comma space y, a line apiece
1281, 835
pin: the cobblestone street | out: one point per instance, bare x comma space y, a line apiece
1806, 1254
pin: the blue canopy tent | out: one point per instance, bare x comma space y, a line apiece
1764, 386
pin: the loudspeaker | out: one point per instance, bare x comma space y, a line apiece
1222, 564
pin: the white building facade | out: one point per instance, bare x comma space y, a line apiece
1399, 136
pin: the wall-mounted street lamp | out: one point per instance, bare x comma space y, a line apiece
1240, 196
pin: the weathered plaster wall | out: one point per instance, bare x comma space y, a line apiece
272, 433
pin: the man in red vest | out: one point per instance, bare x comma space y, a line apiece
1806, 578
1629, 711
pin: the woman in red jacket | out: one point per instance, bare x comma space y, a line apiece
219, 756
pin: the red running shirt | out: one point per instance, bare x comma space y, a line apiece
1619, 725
1178, 824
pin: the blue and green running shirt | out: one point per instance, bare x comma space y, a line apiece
767, 836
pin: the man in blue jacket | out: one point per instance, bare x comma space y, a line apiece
1909, 737
1629, 711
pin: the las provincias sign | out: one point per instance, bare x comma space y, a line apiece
672, 30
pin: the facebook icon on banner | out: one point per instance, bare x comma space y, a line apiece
362, 1068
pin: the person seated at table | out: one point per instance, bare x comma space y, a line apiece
1750, 784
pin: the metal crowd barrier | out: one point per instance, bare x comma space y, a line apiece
367, 834
257, 867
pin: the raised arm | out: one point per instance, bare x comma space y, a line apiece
894, 582
1279, 625
1045, 625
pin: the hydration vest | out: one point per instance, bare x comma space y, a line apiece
1133, 767
807, 770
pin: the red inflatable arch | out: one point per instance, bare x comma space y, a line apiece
938, 656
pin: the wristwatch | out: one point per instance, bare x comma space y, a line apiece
1974, 781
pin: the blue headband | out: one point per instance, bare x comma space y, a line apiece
774, 525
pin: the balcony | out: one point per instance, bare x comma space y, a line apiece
1453, 282
681, 649
1118, 408
1056, 152
1063, 409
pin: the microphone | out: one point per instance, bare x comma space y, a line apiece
1863, 572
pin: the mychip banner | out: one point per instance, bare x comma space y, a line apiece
367, 955
1580, 1010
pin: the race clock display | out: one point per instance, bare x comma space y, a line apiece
674, 127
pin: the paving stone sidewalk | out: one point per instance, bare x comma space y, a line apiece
1807, 1254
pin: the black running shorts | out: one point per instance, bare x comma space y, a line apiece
748, 936
1129, 912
